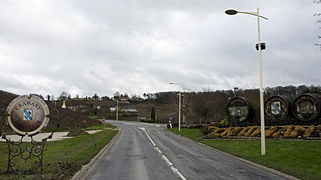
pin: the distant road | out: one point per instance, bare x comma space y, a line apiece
149, 151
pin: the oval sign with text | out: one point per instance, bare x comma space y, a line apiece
27, 115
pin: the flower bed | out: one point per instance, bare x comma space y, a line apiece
288, 132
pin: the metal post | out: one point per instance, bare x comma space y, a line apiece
257, 14
117, 111
261, 88
179, 108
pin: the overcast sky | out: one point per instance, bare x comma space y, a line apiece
139, 46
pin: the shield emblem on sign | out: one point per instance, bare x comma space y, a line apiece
276, 107
27, 114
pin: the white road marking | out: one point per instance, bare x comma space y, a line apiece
159, 151
141, 128
176, 171
150, 139
151, 124
168, 162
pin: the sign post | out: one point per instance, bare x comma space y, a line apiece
27, 116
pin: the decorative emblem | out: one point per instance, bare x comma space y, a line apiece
27, 115
275, 107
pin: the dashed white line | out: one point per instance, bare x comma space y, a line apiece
168, 162
150, 139
158, 150
141, 128
176, 171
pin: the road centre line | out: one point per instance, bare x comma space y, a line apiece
176, 171
158, 150
168, 162
150, 139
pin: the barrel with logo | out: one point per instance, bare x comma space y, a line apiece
306, 107
238, 111
277, 110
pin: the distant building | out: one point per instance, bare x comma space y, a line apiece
130, 108
124, 99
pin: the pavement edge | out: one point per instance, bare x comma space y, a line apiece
279, 173
86, 169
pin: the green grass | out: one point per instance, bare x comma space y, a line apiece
301, 159
63, 158
194, 134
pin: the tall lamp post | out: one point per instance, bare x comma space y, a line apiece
117, 110
179, 103
259, 47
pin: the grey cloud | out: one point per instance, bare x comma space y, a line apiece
86, 47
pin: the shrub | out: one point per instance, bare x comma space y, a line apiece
298, 131
216, 133
147, 120
309, 131
249, 132
243, 131
227, 132
318, 130
236, 130
256, 133
277, 134
271, 131
224, 123
288, 131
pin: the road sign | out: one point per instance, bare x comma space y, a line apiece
27, 115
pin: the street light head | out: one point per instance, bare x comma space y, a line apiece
230, 12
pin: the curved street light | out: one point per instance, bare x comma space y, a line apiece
233, 12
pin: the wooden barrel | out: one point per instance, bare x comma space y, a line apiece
306, 107
238, 109
277, 110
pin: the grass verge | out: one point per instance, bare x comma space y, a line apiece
301, 159
62, 159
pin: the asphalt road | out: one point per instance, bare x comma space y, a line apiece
149, 151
